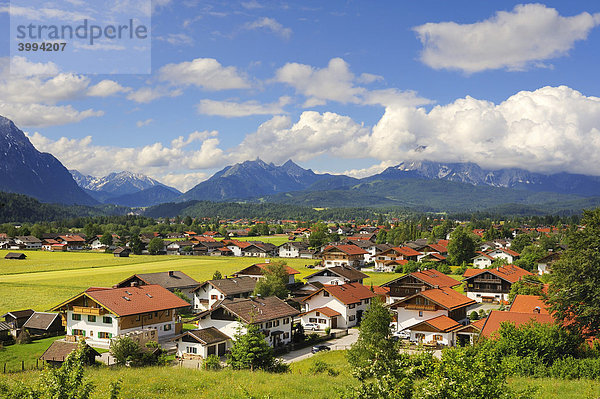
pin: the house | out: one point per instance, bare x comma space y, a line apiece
292, 249
199, 344
414, 282
337, 275
428, 304
16, 319
15, 255
273, 316
482, 260
435, 331
492, 285
236, 246
495, 319
171, 280
389, 266
528, 304
257, 271
72, 241
350, 300
485, 259
42, 324
50, 244
544, 265
58, 351
5, 335
178, 248
259, 249
213, 291
99, 314
96, 243
343, 255
29, 242
397, 253
121, 252
369, 246
211, 248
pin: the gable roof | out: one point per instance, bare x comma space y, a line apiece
529, 304
405, 251
348, 249
496, 318
346, 293
168, 280
431, 277
262, 267
482, 254
59, 350
444, 297
231, 286
348, 273
258, 310
19, 314
15, 255
326, 310
206, 336
510, 273
140, 299
441, 323
41, 320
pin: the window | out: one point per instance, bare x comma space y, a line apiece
367, 301
75, 316
77, 332
286, 321
317, 314
104, 335
167, 313
325, 293
214, 297
155, 314
107, 320
276, 323
286, 335
92, 318
91, 333
312, 320
420, 313
352, 318
352, 306
149, 315
322, 321
438, 337
137, 318
167, 327
191, 349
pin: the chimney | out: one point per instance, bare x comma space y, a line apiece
134, 284
170, 273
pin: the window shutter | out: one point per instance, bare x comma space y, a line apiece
109, 335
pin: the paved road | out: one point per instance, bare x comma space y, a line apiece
335, 344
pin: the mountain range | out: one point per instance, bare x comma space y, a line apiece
25, 170
126, 189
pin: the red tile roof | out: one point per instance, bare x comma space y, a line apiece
407, 251
327, 311
510, 273
442, 323
529, 304
348, 249
496, 318
288, 269
444, 297
434, 278
140, 299
440, 248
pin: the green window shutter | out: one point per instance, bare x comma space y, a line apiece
109, 335
83, 332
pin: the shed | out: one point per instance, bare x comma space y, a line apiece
42, 324
121, 252
15, 255
59, 350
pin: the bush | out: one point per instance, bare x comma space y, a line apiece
327, 330
212, 362
473, 316
23, 337
320, 366
444, 268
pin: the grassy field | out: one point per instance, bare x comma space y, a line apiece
12, 355
45, 279
169, 382
277, 239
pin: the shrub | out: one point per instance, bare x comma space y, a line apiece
23, 337
327, 330
473, 316
320, 366
212, 362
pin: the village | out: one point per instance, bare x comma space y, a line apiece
434, 302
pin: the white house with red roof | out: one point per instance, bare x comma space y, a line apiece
99, 314
414, 282
350, 300
485, 259
394, 254
343, 255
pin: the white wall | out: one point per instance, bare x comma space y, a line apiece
447, 338
408, 318
477, 296
319, 300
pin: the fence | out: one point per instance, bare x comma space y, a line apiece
18, 367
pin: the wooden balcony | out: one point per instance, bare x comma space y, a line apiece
88, 310
488, 280
419, 307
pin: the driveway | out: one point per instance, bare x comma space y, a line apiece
335, 344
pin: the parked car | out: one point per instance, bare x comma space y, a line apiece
320, 348
404, 334
311, 326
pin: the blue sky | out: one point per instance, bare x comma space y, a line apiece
336, 86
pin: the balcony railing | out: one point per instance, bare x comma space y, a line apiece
488, 280
88, 310
419, 307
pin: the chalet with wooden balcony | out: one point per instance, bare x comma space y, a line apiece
492, 285
336, 275
415, 282
429, 304
343, 255
396, 253
99, 314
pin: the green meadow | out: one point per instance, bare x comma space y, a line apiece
45, 279
169, 382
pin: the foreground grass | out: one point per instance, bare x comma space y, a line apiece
169, 382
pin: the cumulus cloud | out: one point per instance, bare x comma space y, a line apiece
337, 82
107, 88
40, 115
154, 159
183, 181
529, 34
206, 73
369, 171
271, 25
231, 109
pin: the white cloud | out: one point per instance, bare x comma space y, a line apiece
149, 94
206, 73
252, 5
370, 171
40, 115
231, 109
107, 88
183, 181
271, 25
177, 39
336, 82
153, 159
144, 123
525, 36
